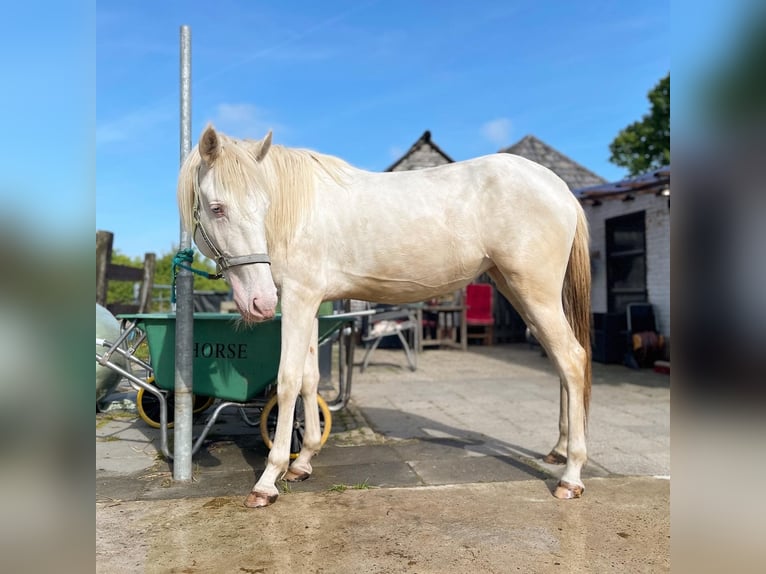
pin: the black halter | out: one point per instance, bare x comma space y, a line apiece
222, 262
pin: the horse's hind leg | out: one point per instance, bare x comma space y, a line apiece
542, 309
550, 327
558, 454
300, 469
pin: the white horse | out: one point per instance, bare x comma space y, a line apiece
307, 227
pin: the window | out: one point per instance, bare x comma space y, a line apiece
626, 261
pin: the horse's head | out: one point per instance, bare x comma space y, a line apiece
228, 216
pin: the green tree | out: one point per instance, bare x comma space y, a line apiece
163, 274
645, 145
122, 291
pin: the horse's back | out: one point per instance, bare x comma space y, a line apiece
499, 191
500, 177
407, 235
471, 205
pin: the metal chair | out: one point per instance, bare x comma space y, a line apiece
390, 323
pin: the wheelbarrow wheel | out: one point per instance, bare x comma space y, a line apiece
148, 406
269, 423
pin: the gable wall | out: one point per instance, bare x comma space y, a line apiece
424, 156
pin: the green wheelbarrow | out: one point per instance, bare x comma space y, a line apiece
234, 363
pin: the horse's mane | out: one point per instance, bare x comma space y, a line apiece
286, 176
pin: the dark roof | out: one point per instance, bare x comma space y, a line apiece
657, 182
575, 175
423, 153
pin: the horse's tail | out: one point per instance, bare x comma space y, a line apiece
576, 296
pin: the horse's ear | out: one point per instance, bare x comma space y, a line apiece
263, 149
209, 145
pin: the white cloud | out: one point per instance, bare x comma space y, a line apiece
243, 120
497, 131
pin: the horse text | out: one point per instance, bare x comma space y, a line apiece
220, 350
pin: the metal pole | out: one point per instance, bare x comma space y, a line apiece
182, 435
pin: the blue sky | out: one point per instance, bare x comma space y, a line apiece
361, 80
46, 97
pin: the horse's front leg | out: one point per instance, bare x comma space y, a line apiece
300, 469
297, 325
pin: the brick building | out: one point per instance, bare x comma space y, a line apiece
630, 254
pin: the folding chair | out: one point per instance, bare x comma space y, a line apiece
390, 323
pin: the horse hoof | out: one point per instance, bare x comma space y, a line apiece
260, 499
555, 458
291, 476
567, 490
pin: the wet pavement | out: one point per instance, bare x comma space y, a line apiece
437, 470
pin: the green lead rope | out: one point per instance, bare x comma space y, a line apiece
181, 259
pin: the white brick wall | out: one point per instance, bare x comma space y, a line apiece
657, 251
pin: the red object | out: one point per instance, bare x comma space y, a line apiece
662, 367
478, 301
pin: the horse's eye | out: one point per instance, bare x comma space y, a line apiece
217, 210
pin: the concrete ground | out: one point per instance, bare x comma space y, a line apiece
437, 470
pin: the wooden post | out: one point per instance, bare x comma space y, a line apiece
106, 271
147, 283
104, 241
